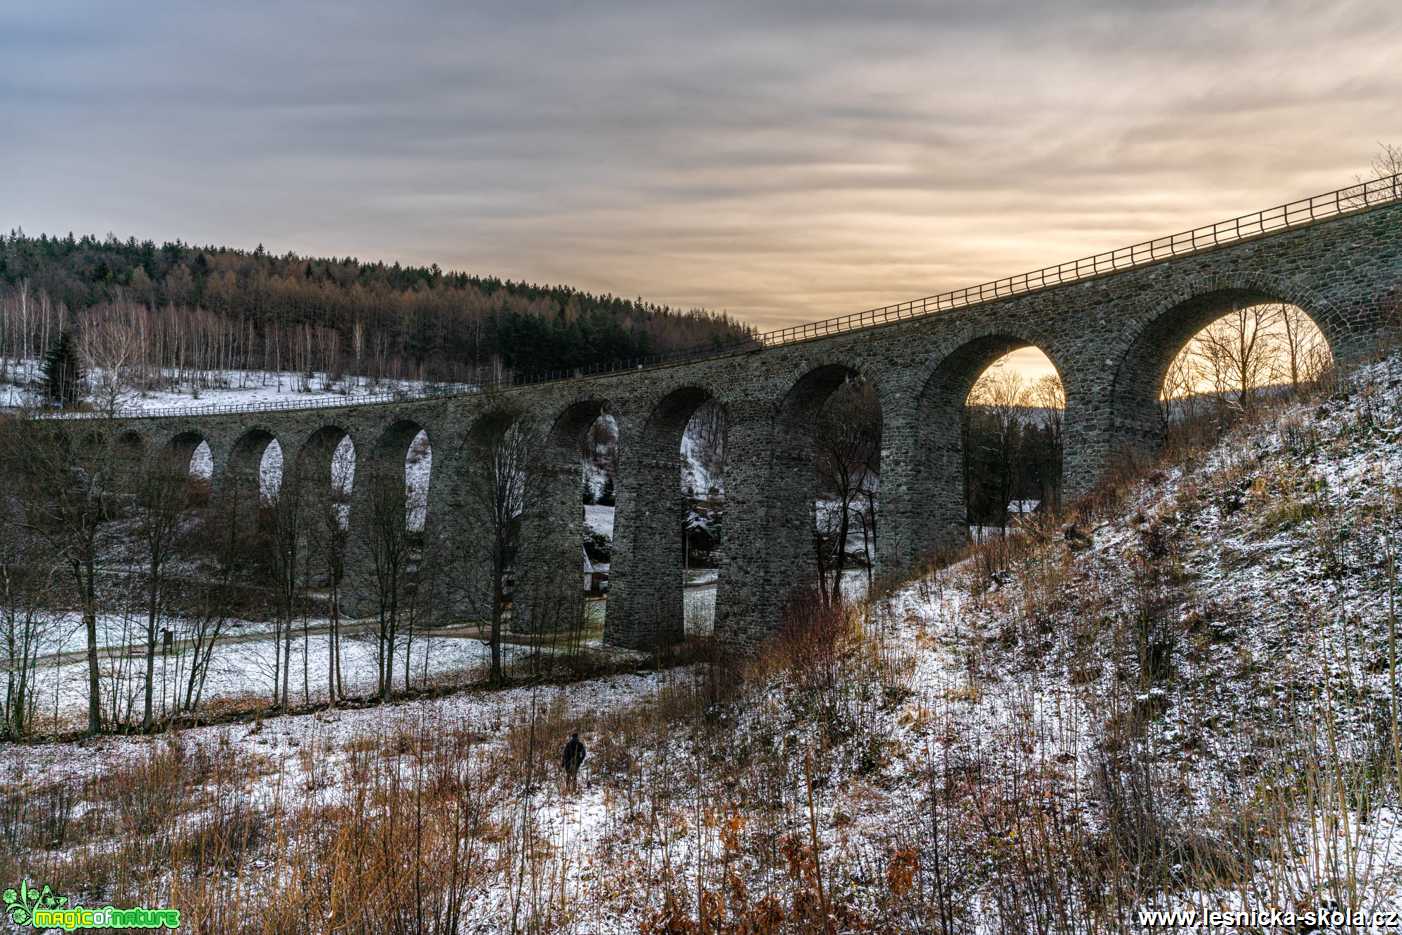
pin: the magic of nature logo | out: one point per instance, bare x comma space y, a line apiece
42, 908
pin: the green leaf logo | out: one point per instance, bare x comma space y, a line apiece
20, 906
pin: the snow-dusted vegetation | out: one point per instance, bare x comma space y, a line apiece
1180, 695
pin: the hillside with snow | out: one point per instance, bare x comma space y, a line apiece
1181, 698
1203, 676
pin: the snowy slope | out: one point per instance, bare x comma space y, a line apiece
1222, 634
1262, 567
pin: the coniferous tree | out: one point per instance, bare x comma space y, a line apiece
63, 371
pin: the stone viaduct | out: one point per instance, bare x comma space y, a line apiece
1111, 324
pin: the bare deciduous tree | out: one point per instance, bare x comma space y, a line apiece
113, 354
502, 483
161, 497
848, 442
389, 548
1388, 161
206, 615
1303, 353
286, 513
1236, 356
68, 492
1239, 352
1001, 393
1047, 395
26, 624
1181, 386
328, 512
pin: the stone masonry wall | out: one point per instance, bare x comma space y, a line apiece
1110, 337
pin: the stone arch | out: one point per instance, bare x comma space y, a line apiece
771, 484
491, 425
117, 460
549, 594
1140, 360
567, 429
662, 428
315, 453
463, 516
647, 587
924, 506
942, 397
129, 450
794, 469
130, 440
384, 544
186, 442
246, 461
799, 407
324, 466
247, 450
393, 471
158, 471
394, 439
1333, 321
192, 449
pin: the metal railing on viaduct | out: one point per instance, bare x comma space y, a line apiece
1352, 199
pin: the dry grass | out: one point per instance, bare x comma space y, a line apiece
739, 801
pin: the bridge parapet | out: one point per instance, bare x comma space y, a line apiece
1360, 197
1109, 324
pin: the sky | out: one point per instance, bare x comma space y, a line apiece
783, 162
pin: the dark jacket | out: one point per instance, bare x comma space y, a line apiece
574, 754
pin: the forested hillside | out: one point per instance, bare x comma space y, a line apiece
252, 310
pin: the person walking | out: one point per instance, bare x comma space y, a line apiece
574, 756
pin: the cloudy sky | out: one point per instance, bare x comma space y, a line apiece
782, 161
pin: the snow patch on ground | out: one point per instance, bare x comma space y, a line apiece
599, 519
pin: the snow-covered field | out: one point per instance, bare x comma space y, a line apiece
243, 669
243, 663
234, 388
116, 629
